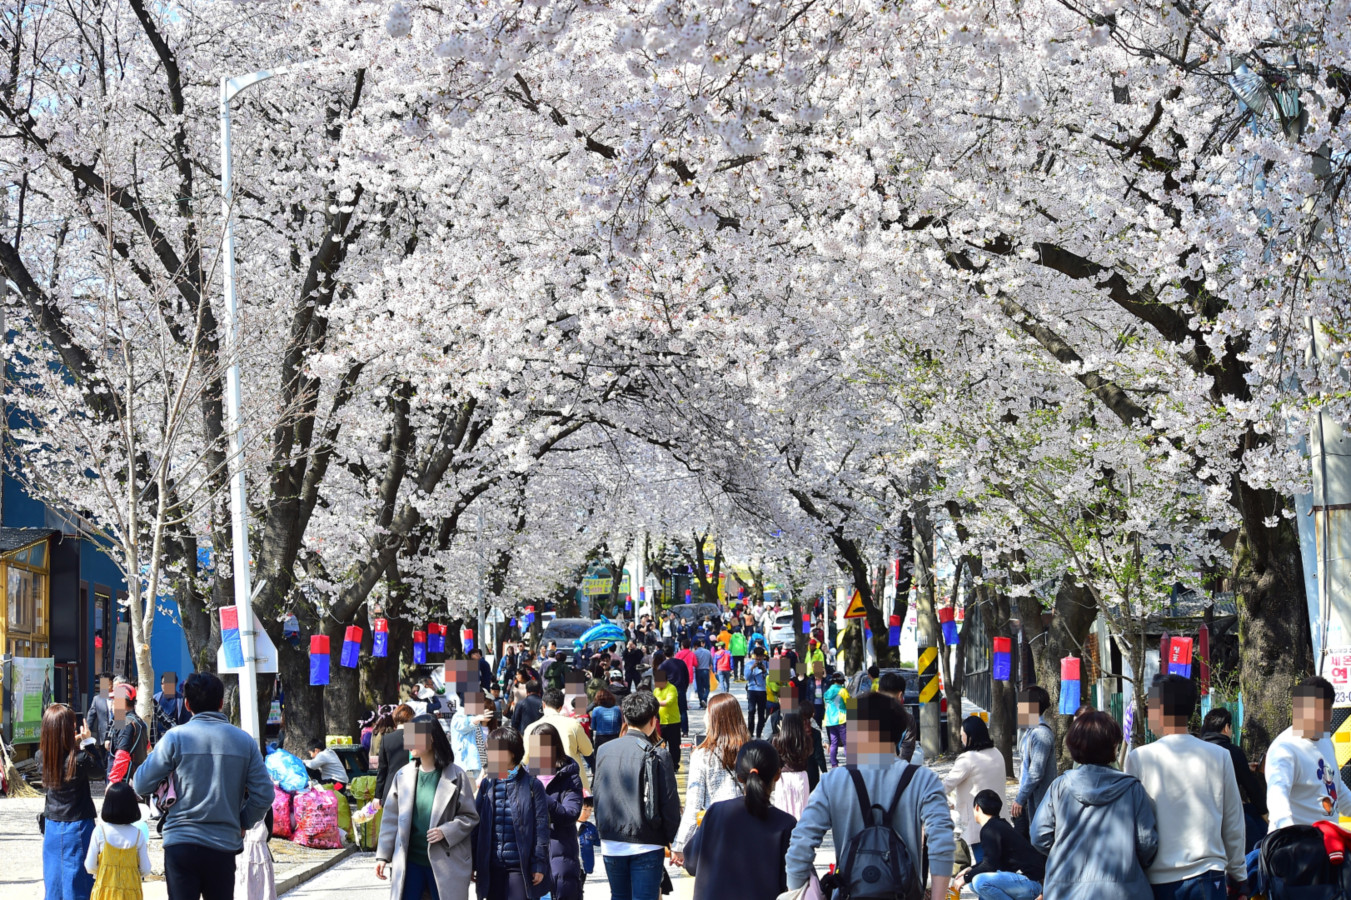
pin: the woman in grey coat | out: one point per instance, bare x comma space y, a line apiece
429, 816
1096, 825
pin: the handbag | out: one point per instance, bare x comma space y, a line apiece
809, 891
163, 798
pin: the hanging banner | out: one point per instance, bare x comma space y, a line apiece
628, 603
467, 639
945, 618
806, 623
1001, 662
894, 631
229, 637
380, 634
30, 693
688, 593
1069, 686
436, 638
1180, 657
419, 648
1203, 647
318, 660
351, 647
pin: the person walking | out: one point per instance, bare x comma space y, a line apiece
469, 730
511, 842
563, 789
1089, 809
1218, 728
529, 709
69, 761
223, 790
1011, 868
837, 695
1036, 749
979, 767
682, 681
703, 673
1192, 781
576, 742
712, 775
635, 826
633, 658
119, 854
393, 755
665, 694
606, 719
737, 646
429, 816
757, 673
722, 666
739, 848
169, 711
793, 743
913, 793
1304, 783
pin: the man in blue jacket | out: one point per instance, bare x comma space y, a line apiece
1037, 750
223, 790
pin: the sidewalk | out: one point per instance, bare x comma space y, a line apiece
21, 849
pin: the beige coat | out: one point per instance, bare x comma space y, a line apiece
974, 771
452, 810
575, 742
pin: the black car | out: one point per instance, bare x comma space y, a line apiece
564, 632
686, 612
911, 677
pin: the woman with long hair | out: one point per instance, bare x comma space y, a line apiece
980, 767
793, 743
562, 780
739, 849
68, 765
712, 777
511, 844
429, 819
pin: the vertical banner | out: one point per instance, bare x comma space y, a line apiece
1203, 648
945, 618
318, 660
529, 616
740, 595
436, 638
806, 623
894, 631
351, 647
229, 637
419, 648
628, 603
380, 634
1180, 657
1069, 686
467, 639
688, 593
1001, 662
30, 692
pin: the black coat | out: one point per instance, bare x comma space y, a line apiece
391, 759
734, 854
1252, 784
529, 820
527, 712
564, 791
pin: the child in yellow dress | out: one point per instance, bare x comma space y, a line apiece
119, 853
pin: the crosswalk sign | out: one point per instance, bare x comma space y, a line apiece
855, 609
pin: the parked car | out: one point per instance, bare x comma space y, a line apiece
912, 703
696, 611
564, 632
784, 630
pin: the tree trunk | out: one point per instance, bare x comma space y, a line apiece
1073, 613
1003, 695
341, 696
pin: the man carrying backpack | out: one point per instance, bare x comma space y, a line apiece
880, 855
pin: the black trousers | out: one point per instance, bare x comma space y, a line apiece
506, 884
671, 735
193, 871
756, 700
739, 667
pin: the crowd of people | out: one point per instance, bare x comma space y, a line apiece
511, 793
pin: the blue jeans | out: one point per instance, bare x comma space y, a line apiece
701, 685
417, 879
725, 681
64, 845
1005, 886
635, 877
1208, 886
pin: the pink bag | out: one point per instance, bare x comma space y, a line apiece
281, 813
316, 819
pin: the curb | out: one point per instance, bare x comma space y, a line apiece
299, 877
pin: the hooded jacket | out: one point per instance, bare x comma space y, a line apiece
564, 792
1098, 829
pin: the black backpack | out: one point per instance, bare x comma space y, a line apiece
875, 863
1294, 865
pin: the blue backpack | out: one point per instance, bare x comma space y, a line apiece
876, 864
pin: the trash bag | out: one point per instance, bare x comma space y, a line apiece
344, 811
281, 813
287, 771
316, 819
365, 829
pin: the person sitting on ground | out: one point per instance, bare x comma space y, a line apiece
1011, 868
326, 763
